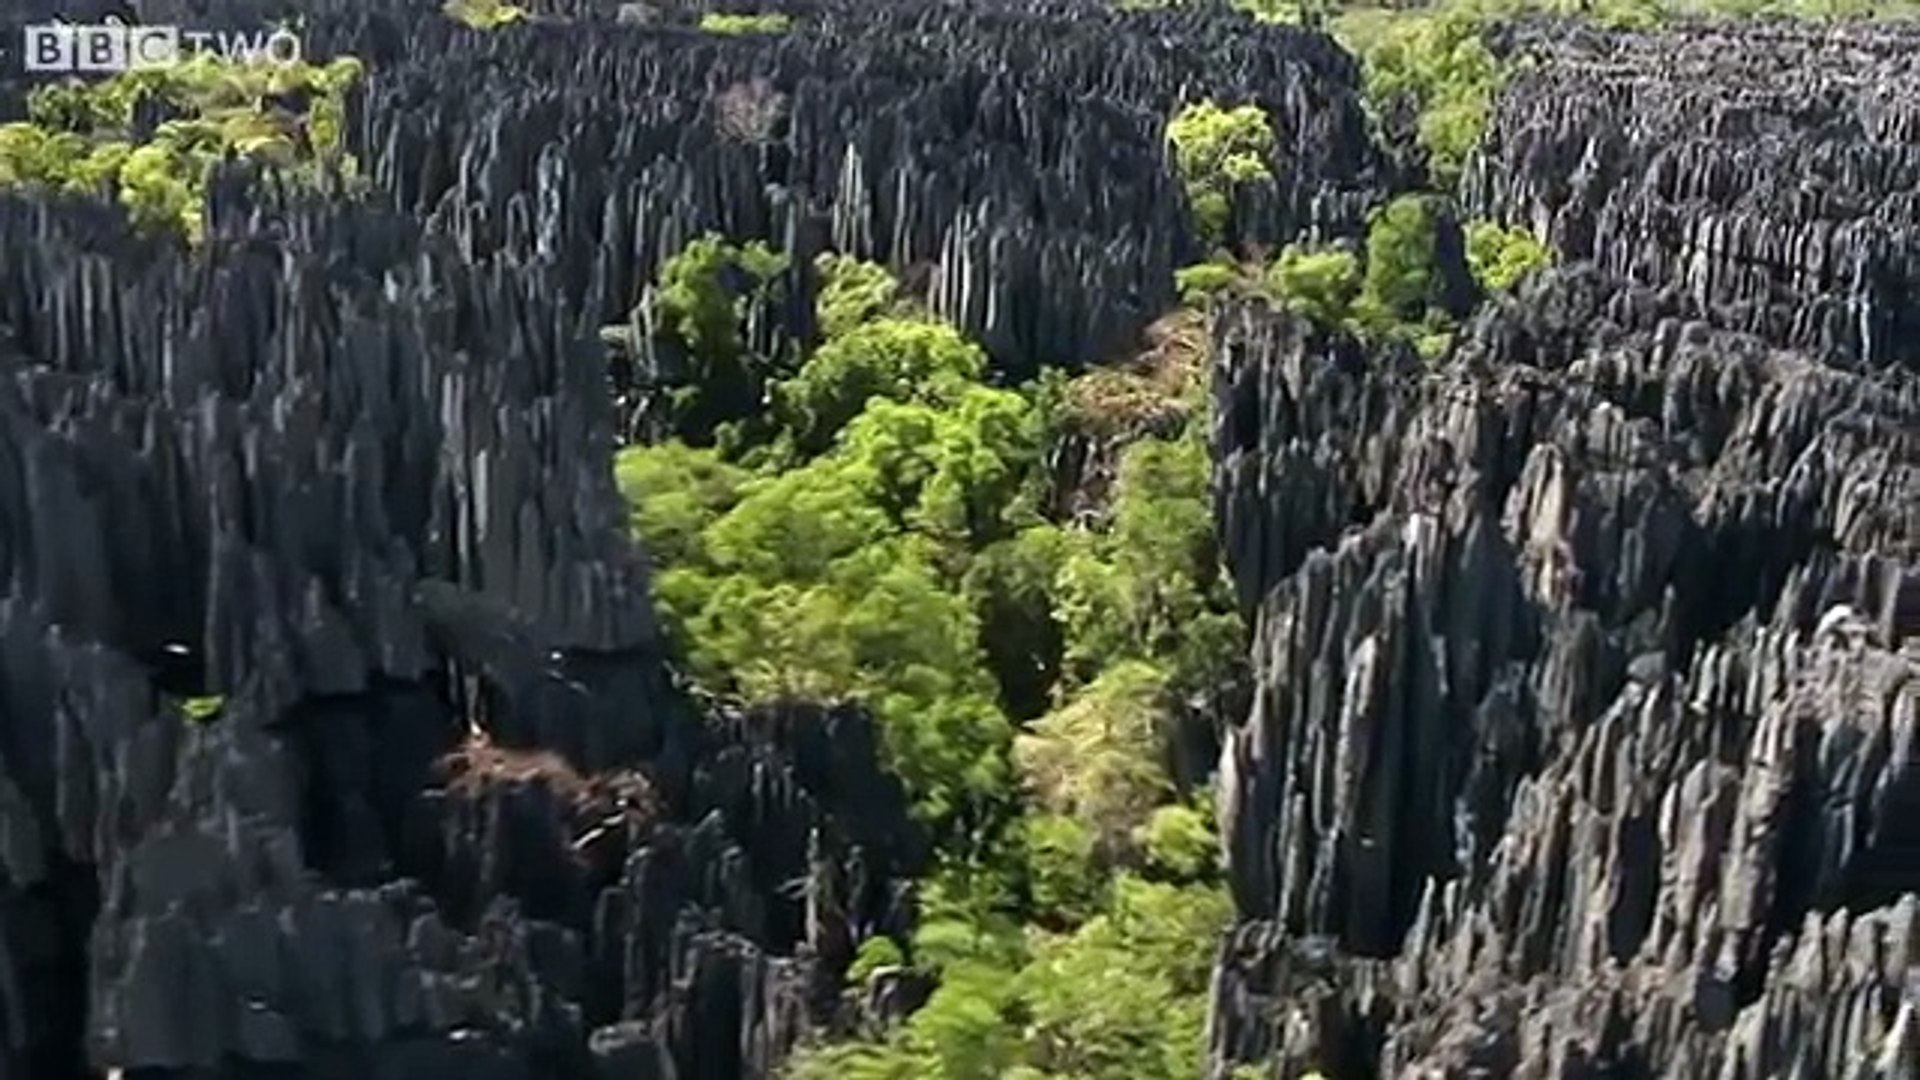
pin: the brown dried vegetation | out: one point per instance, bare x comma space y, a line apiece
478, 768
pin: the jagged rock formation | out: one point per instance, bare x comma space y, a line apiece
1588, 659
358, 488
1012, 155
1768, 171
1584, 736
1589, 688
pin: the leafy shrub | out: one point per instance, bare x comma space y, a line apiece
809, 587
1203, 283
1402, 278
702, 302
1010, 586
483, 14
1097, 759
79, 136
674, 492
1318, 285
203, 710
1216, 150
719, 22
1149, 957
902, 360
898, 560
1501, 257
1437, 63
1149, 589
1062, 873
1180, 841
875, 953
852, 291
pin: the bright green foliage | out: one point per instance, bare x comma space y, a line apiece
1124, 997
78, 136
796, 526
1318, 285
1437, 61
33, 155
674, 493
1097, 758
483, 14
962, 1033
1203, 283
892, 553
717, 22
950, 472
1063, 876
901, 359
202, 710
852, 292
875, 623
875, 954
694, 302
813, 585
702, 302
1216, 150
1180, 841
967, 913
1150, 588
1402, 278
1434, 57
1501, 257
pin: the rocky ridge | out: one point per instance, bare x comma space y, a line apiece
1588, 658
312, 488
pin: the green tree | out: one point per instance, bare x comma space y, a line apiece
1402, 277
1179, 841
1215, 151
1149, 956
78, 136
1062, 870
1318, 285
1011, 587
897, 359
675, 492
852, 292
875, 954
1500, 257
1097, 758
1437, 63
702, 302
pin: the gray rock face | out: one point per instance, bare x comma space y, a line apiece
1767, 173
1011, 157
358, 490
1588, 659
1588, 682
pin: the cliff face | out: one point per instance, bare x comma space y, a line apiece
1589, 657
1766, 172
356, 489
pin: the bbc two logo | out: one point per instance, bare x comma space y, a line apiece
114, 47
